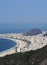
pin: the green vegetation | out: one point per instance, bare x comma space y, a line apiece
38, 57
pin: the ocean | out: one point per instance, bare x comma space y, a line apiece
21, 27
16, 28
6, 44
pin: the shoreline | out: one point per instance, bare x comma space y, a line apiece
20, 44
10, 48
24, 43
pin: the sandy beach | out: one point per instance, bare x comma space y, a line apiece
20, 44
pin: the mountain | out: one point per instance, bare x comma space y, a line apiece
33, 32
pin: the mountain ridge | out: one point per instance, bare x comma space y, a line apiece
34, 31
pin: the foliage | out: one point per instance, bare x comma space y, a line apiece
26, 58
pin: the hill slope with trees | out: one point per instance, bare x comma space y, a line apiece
37, 57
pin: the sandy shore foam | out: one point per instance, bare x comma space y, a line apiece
20, 44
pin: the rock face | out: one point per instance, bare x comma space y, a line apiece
33, 32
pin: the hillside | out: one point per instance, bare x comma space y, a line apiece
33, 32
38, 57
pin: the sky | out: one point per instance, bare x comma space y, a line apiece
23, 13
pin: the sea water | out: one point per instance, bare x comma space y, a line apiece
6, 44
16, 28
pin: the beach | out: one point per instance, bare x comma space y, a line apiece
20, 44
24, 43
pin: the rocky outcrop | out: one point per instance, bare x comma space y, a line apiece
33, 32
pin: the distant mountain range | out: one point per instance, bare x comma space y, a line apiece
33, 32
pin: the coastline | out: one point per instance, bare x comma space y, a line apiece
24, 43
20, 44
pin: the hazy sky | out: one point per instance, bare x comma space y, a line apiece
24, 12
